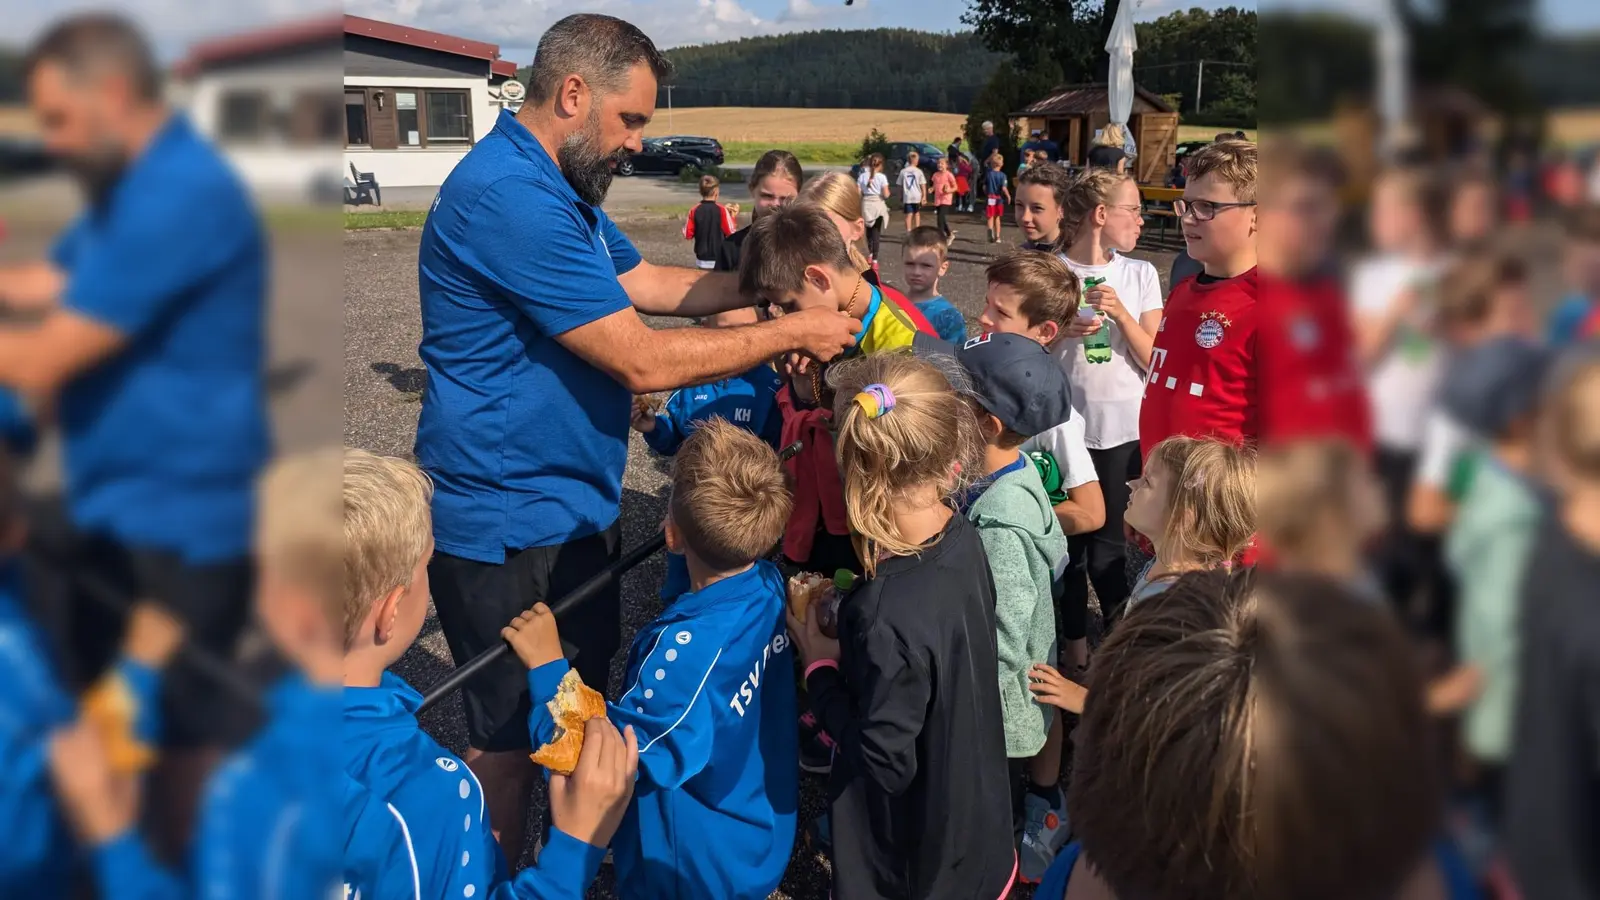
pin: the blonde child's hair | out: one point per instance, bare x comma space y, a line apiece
1111, 136
1211, 500
929, 437
1298, 484
1088, 192
1232, 162
837, 193
388, 526
729, 497
1572, 416
300, 524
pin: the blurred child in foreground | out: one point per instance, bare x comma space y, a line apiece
1192, 780
268, 815
1553, 781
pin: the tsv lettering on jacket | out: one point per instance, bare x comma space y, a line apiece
752, 682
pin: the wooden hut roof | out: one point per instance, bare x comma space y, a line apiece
1083, 99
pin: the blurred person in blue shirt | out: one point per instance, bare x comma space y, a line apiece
270, 817
531, 302
1580, 308
145, 331
36, 855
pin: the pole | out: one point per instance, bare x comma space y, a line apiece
669, 108
566, 604
1199, 83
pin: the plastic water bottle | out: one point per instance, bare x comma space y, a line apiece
1097, 346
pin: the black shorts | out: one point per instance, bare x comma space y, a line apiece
911, 208
474, 600
81, 587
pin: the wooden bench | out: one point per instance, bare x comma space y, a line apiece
1152, 196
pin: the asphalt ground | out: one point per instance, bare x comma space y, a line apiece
383, 384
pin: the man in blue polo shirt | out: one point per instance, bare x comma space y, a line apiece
144, 331
534, 346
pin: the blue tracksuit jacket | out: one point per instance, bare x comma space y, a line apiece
711, 698
269, 818
16, 428
749, 401
36, 853
437, 821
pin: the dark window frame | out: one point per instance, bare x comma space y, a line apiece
390, 112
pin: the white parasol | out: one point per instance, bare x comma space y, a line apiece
1120, 45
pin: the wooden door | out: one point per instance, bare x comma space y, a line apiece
381, 119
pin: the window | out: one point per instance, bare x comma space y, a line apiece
244, 116
355, 119
405, 110
389, 118
448, 118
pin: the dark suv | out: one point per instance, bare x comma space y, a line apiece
707, 149
928, 157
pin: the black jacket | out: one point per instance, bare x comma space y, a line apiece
920, 790
728, 253
705, 228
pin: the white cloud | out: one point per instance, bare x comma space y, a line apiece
805, 11
171, 24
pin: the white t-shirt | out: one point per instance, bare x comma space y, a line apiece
912, 184
1065, 443
873, 185
1401, 383
1107, 395
1443, 442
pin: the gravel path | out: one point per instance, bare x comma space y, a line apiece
383, 384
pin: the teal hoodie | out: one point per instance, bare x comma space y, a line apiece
1027, 552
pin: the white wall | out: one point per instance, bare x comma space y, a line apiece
416, 166
272, 167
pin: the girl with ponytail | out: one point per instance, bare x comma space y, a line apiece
909, 688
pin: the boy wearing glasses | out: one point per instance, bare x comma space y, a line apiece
1202, 376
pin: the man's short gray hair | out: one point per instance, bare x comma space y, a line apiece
99, 41
988, 124
600, 49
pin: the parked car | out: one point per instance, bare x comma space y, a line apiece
659, 159
708, 148
928, 157
21, 157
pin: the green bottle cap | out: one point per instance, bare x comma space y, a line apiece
844, 579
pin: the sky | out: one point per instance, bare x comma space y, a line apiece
516, 24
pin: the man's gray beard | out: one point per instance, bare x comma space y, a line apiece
585, 166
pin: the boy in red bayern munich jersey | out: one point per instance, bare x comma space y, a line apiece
1202, 380
1311, 383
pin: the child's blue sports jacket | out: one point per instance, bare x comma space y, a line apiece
36, 854
749, 401
710, 694
438, 812
269, 819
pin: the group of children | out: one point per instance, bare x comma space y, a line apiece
1149, 434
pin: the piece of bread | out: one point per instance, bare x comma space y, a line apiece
113, 708
804, 589
574, 704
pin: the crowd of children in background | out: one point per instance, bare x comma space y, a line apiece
1429, 469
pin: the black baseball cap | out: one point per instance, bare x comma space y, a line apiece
1491, 386
1013, 377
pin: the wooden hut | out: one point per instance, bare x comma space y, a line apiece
1072, 114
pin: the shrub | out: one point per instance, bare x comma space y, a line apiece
875, 142
691, 174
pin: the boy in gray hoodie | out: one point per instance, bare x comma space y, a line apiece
1020, 391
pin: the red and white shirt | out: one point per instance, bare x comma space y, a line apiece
1312, 383
1202, 378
